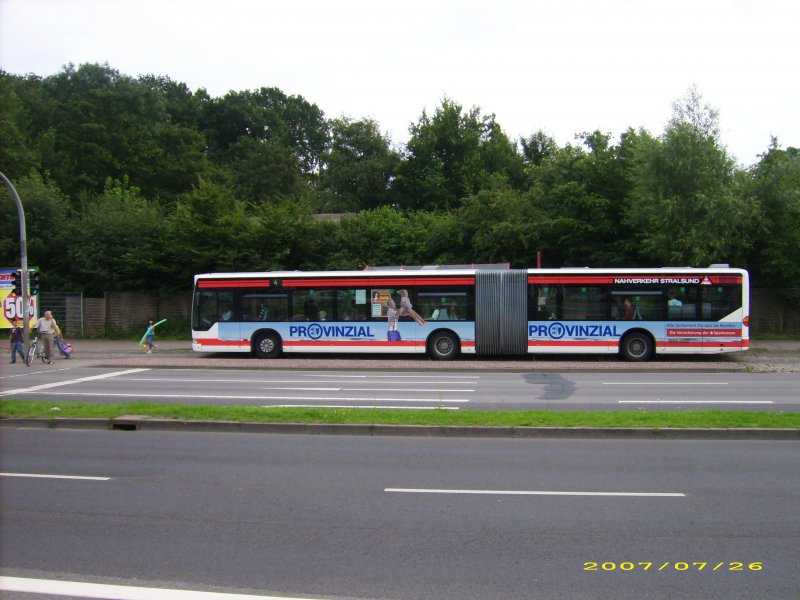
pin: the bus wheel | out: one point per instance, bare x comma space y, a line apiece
637, 346
268, 345
443, 346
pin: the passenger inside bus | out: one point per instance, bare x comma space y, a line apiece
628, 310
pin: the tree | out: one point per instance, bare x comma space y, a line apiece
183, 106
684, 208
538, 147
263, 171
118, 243
48, 230
100, 124
357, 168
452, 155
502, 225
581, 192
17, 153
267, 115
773, 187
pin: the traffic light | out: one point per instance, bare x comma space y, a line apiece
33, 282
17, 291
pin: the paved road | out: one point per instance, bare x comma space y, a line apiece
420, 390
764, 356
404, 518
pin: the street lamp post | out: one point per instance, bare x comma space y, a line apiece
23, 254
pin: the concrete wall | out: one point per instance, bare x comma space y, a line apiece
771, 314
129, 311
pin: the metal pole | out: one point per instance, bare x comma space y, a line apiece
23, 259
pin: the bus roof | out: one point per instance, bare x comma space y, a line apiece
457, 270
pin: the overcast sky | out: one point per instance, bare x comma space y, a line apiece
563, 66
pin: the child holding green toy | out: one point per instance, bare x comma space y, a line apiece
149, 336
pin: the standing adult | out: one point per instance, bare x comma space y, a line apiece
47, 328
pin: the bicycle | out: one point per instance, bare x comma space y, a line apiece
35, 351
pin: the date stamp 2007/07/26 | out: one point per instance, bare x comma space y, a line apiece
671, 566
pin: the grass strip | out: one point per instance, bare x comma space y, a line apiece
529, 418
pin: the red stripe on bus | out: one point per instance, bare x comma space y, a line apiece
706, 343
725, 279
554, 279
325, 343
383, 281
221, 343
609, 279
231, 283
351, 344
362, 343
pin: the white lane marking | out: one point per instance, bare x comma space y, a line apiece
118, 592
273, 381
536, 493
664, 383
357, 406
45, 476
28, 372
396, 376
305, 389
47, 386
695, 402
449, 390
213, 397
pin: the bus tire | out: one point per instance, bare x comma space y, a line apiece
267, 345
637, 346
443, 345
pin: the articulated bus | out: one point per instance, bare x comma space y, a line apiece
488, 310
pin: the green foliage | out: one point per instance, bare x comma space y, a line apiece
48, 229
684, 207
120, 242
358, 168
132, 184
17, 154
773, 189
267, 115
452, 155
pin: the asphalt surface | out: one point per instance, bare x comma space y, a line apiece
396, 517
764, 356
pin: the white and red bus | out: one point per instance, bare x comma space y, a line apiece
489, 310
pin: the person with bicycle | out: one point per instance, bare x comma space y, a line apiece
47, 328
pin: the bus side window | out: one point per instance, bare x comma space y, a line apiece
585, 302
542, 303
206, 309
262, 307
719, 301
351, 305
213, 306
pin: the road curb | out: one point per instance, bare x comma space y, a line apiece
144, 423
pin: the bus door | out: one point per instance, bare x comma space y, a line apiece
216, 310
720, 310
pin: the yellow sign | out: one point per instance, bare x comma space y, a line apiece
12, 309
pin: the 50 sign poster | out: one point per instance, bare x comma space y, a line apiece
12, 309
